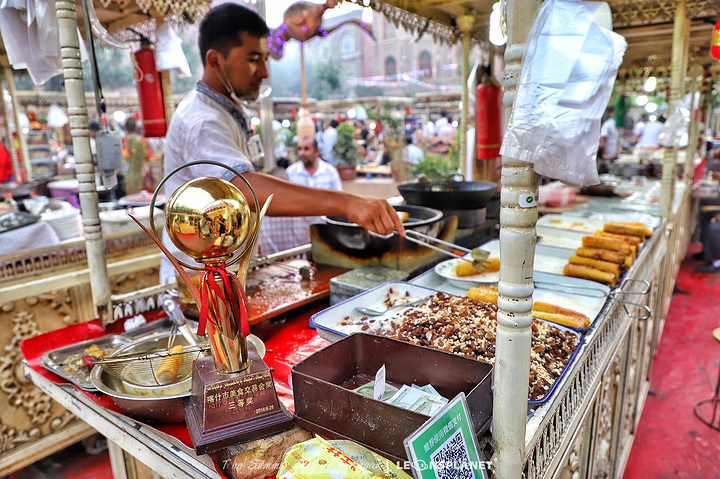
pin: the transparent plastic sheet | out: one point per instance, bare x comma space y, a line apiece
30, 34
569, 68
675, 130
168, 50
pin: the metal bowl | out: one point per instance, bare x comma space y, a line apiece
163, 408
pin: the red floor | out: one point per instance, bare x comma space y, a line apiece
671, 442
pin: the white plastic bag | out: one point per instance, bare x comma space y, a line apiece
168, 51
568, 72
675, 130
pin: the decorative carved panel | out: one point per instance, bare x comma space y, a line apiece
28, 416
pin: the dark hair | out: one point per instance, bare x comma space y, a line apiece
408, 140
130, 125
94, 126
334, 123
611, 109
314, 141
223, 25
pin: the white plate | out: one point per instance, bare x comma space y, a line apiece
446, 269
550, 259
141, 199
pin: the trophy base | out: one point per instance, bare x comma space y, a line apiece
226, 409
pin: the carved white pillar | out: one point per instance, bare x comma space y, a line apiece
695, 72
465, 23
85, 172
677, 76
24, 157
517, 251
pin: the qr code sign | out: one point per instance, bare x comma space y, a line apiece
452, 460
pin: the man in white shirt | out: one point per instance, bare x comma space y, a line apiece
640, 126
211, 124
281, 233
651, 133
329, 138
609, 136
412, 154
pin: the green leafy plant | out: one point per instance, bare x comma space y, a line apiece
436, 166
345, 151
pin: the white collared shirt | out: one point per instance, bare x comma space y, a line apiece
200, 129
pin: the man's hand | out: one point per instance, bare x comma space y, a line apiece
375, 215
715, 219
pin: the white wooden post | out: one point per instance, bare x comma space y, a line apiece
677, 75
24, 157
465, 23
85, 171
517, 252
692, 148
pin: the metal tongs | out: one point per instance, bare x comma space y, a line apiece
478, 256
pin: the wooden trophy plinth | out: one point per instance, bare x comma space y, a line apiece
226, 409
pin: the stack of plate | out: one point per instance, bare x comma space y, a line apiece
64, 219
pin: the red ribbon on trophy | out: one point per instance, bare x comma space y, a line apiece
209, 285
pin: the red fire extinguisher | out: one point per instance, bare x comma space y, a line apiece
150, 93
488, 128
715, 41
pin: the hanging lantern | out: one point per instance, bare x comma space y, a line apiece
715, 41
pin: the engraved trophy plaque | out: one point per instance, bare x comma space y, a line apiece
233, 396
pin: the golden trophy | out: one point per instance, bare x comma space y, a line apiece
233, 396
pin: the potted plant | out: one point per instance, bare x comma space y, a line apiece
345, 152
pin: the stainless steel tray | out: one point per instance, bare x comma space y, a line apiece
589, 305
59, 360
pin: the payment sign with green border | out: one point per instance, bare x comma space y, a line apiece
445, 446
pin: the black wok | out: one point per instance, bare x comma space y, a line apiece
448, 195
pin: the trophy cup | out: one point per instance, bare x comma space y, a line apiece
233, 396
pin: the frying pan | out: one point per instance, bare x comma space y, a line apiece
448, 195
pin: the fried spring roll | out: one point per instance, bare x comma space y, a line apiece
636, 240
596, 263
167, 372
465, 268
576, 320
487, 293
585, 272
601, 254
636, 229
612, 244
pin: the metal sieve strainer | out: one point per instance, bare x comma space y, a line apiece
155, 368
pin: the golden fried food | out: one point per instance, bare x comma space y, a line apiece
167, 372
612, 244
586, 272
561, 315
403, 215
596, 263
488, 293
636, 240
465, 268
636, 229
601, 254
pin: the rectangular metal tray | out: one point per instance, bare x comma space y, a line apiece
328, 322
54, 360
322, 403
10, 221
590, 306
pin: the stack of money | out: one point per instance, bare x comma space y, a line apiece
420, 399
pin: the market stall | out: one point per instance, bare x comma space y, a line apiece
588, 424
